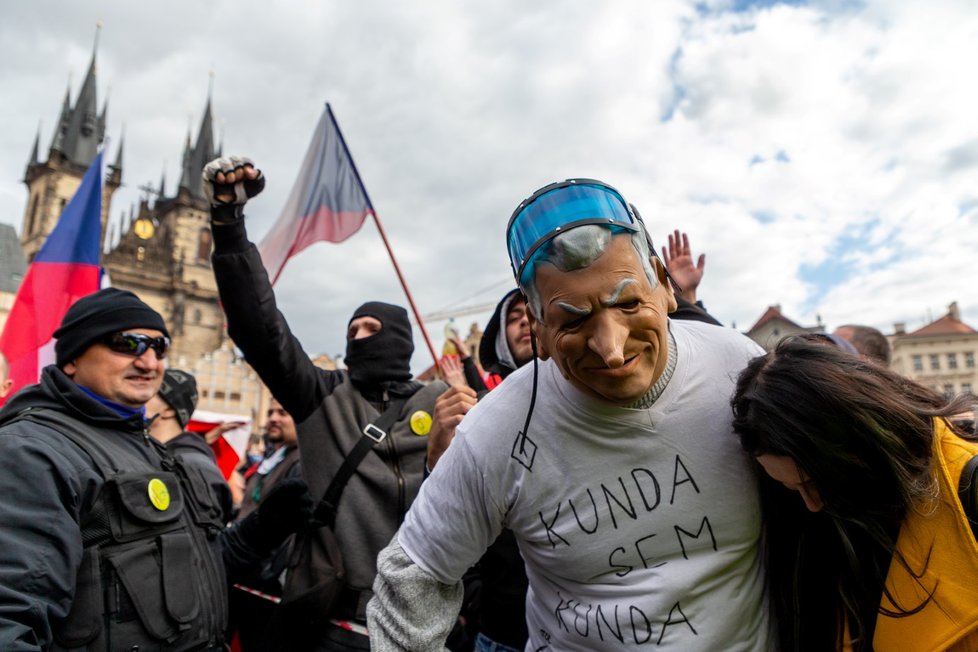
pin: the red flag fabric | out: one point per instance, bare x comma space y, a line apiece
328, 201
65, 269
230, 448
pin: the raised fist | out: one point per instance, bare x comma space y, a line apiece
231, 181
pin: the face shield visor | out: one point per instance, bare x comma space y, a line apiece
559, 207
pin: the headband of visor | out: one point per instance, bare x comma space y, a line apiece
560, 207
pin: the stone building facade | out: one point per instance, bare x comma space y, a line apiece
941, 355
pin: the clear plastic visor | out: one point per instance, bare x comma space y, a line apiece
568, 205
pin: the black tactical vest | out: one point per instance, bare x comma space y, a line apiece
151, 578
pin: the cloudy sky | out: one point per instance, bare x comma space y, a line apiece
824, 155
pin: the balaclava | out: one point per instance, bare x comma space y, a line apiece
385, 355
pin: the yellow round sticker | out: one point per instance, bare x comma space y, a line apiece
421, 423
159, 495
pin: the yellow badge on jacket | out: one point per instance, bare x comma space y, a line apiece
421, 423
159, 495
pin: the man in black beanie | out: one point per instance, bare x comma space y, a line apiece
333, 408
107, 542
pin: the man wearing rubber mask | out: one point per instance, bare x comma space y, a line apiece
611, 458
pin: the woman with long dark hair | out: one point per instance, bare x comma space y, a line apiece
879, 553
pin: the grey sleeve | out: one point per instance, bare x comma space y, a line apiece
411, 610
40, 540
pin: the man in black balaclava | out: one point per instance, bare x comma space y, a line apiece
332, 410
379, 350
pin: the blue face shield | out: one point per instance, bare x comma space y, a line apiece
559, 207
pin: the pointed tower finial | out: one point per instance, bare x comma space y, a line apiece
37, 145
118, 156
163, 181
210, 85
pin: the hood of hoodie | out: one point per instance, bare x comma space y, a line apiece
56, 391
494, 354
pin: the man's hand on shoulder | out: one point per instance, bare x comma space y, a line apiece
229, 182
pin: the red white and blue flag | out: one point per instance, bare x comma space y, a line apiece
328, 201
65, 269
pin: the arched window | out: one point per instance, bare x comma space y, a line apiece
204, 245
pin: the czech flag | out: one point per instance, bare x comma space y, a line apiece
328, 201
65, 269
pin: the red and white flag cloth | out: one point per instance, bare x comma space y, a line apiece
328, 201
231, 447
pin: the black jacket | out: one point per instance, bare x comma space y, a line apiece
53, 497
330, 412
199, 457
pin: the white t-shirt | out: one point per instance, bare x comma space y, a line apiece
639, 528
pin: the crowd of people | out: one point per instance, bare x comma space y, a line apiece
627, 474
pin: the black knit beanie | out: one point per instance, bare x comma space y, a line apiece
385, 355
179, 390
95, 315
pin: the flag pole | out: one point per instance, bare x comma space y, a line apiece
383, 236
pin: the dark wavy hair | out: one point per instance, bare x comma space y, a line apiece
864, 436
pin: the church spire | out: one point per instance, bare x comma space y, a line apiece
34, 150
196, 157
118, 155
61, 128
85, 128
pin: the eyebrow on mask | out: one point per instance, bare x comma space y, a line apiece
616, 293
574, 310
610, 301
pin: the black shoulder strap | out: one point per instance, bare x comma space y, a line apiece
373, 433
79, 435
968, 493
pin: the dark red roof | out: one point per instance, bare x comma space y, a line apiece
946, 325
771, 314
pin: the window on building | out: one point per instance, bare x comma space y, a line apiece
952, 360
218, 394
197, 315
235, 396
935, 361
949, 390
204, 246
918, 363
969, 359
965, 388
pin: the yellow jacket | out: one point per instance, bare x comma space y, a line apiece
939, 530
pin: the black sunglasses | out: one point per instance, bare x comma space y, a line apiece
137, 344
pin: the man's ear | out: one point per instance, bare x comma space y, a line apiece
664, 283
536, 329
70, 368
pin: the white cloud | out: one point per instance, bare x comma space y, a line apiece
790, 128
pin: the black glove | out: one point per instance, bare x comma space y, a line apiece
227, 200
285, 510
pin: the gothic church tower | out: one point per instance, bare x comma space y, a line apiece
163, 254
52, 183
